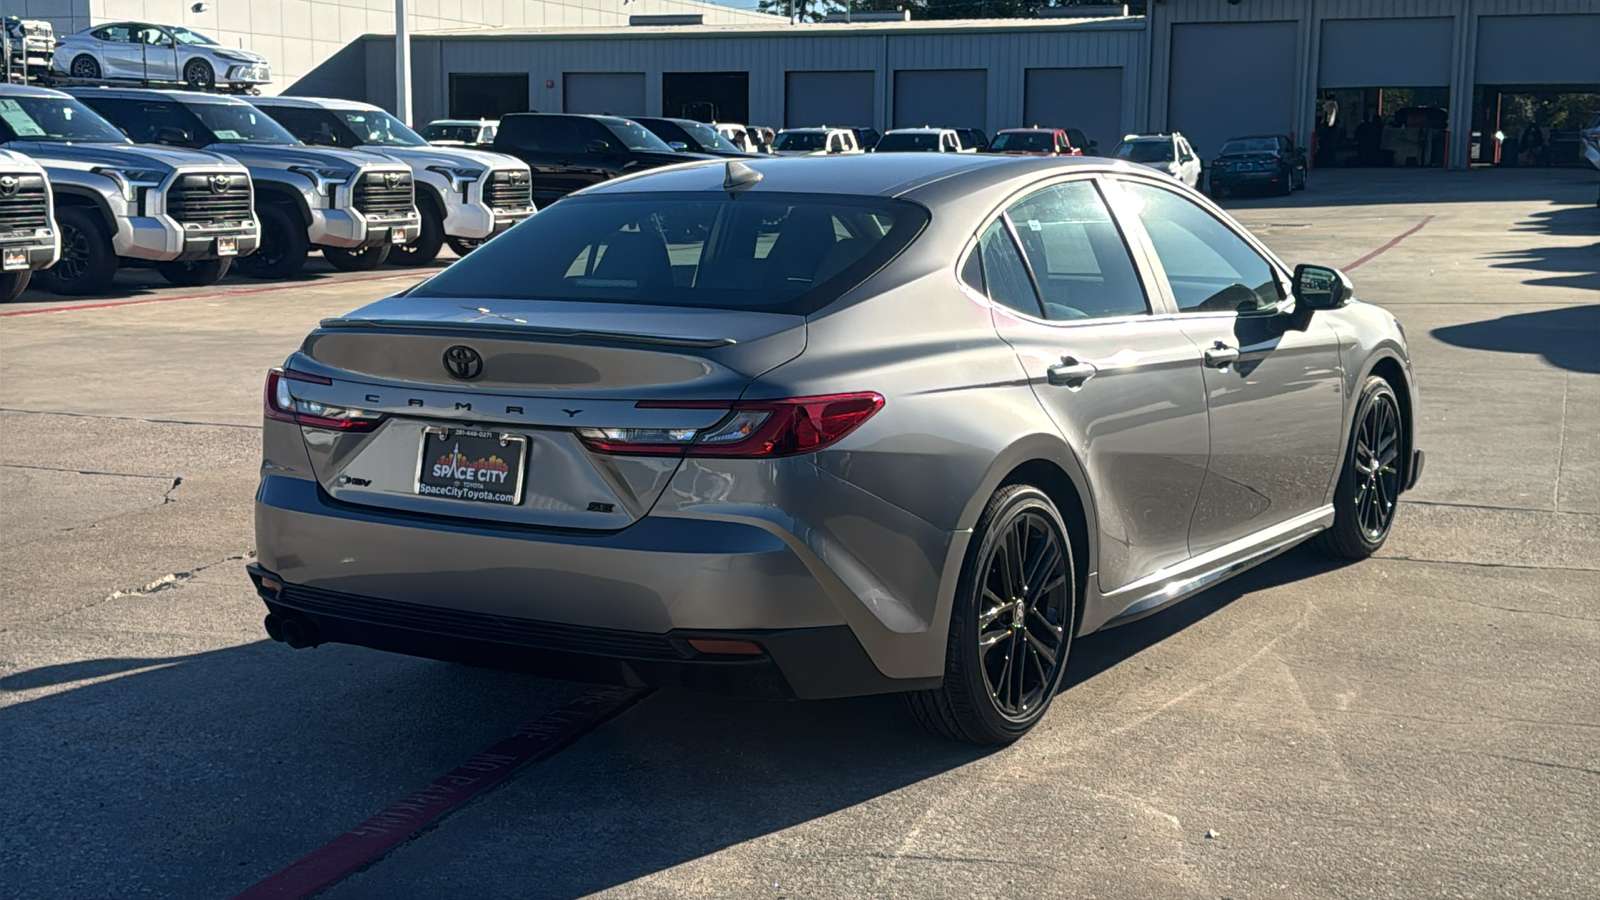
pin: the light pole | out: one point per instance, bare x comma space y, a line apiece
402, 64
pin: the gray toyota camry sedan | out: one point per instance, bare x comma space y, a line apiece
823, 427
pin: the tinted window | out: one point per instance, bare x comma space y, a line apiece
374, 126
144, 120
1210, 268
1004, 275
783, 253
240, 123
924, 141
1250, 145
549, 134
1026, 141
799, 140
118, 33
631, 135
466, 134
314, 126
1078, 256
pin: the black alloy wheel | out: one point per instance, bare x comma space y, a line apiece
1367, 496
1011, 627
1022, 622
196, 273
361, 259
1377, 465
199, 76
425, 247
88, 262
86, 67
284, 244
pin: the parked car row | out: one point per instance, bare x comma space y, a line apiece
190, 183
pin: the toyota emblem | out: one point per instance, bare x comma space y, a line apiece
221, 183
391, 179
8, 185
463, 362
519, 177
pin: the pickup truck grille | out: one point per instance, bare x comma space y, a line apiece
212, 198
24, 208
384, 194
509, 189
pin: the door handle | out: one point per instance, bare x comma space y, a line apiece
1071, 373
1220, 355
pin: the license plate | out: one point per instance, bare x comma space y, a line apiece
397, 236
15, 259
476, 466
227, 246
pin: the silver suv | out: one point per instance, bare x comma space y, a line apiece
354, 206
28, 238
185, 212
465, 196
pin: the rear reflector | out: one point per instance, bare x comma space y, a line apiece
725, 648
281, 404
752, 428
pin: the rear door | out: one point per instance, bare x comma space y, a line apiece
1123, 385
1275, 395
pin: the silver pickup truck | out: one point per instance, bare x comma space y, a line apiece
352, 206
186, 213
465, 196
28, 238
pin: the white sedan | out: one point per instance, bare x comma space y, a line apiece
164, 54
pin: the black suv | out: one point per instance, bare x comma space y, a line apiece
571, 152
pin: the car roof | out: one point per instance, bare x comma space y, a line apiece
1255, 137
460, 122
812, 128
314, 103
595, 116
1029, 130
923, 130
26, 90
889, 175
156, 94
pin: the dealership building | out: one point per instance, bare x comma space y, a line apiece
1434, 73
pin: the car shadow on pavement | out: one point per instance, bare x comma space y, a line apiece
1568, 337
239, 761
1382, 187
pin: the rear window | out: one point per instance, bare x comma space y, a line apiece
1025, 141
790, 253
921, 140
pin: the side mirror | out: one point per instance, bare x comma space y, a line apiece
171, 134
598, 146
1321, 287
679, 146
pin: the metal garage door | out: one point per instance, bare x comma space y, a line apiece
827, 98
617, 93
1362, 53
955, 98
1539, 50
1086, 99
1231, 78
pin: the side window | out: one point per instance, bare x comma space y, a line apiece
119, 34
1210, 268
588, 131
1078, 256
1000, 273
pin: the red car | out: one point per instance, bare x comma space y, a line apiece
1034, 142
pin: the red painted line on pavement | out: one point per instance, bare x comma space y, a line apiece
211, 296
366, 843
1390, 245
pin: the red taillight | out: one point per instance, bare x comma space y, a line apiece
280, 404
752, 428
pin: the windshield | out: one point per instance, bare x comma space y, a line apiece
466, 134
777, 252
920, 140
239, 123
374, 126
1025, 141
1250, 145
708, 137
800, 140
636, 137
185, 36
1144, 151
54, 119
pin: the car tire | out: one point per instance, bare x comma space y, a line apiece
12, 284
990, 629
463, 246
86, 67
1287, 187
88, 261
356, 260
284, 244
196, 273
425, 248
1366, 497
1217, 191
199, 76
1300, 183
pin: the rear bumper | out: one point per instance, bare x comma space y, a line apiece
800, 663
1245, 179
614, 606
